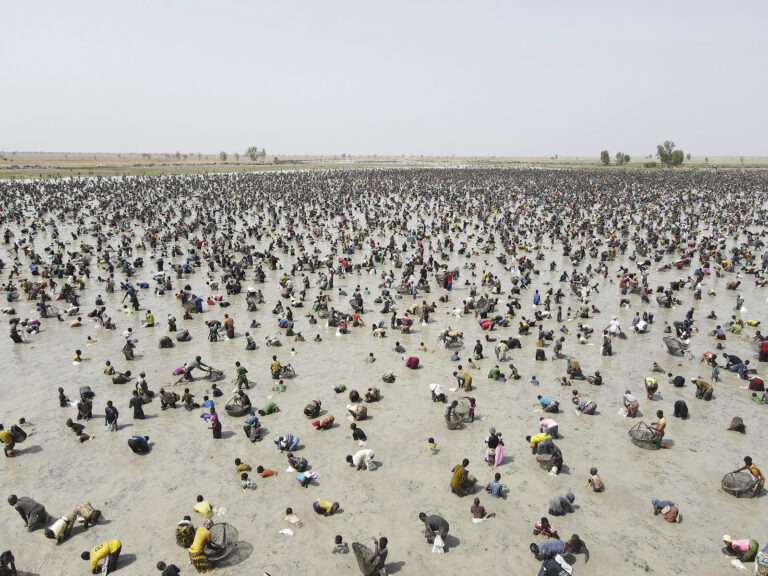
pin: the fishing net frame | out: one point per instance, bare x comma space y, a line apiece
225, 537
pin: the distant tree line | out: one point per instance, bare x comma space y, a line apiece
667, 154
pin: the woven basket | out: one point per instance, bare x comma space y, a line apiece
674, 345
235, 409
545, 461
739, 484
643, 436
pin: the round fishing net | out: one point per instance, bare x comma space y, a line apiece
224, 537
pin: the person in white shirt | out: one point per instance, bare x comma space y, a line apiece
362, 458
614, 327
630, 403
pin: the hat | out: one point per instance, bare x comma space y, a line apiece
492, 430
162, 390
654, 500
727, 538
570, 496
627, 392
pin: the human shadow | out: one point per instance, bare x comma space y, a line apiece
451, 542
126, 560
395, 567
240, 554
34, 449
227, 434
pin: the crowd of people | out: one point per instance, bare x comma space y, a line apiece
517, 259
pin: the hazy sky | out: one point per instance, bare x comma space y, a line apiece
497, 78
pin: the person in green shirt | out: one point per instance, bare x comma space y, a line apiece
242, 379
268, 408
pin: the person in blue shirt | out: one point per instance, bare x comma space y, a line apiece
659, 505
543, 401
139, 444
252, 428
495, 487
551, 548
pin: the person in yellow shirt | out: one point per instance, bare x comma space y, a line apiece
325, 507
274, 366
536, 440
197, 551
241, 466
203, 507
651, 387
109, 552
6, 437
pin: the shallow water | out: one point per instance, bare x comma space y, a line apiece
142, 498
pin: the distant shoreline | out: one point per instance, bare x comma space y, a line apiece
62, 165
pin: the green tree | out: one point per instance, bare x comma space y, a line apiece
237, 156
619, 158
605, 157
252, 152
668, 155
677, 158
223, 156
688, 156
706, 159
664, 151
626, 158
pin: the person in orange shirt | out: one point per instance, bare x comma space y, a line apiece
265, 472
755, 471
